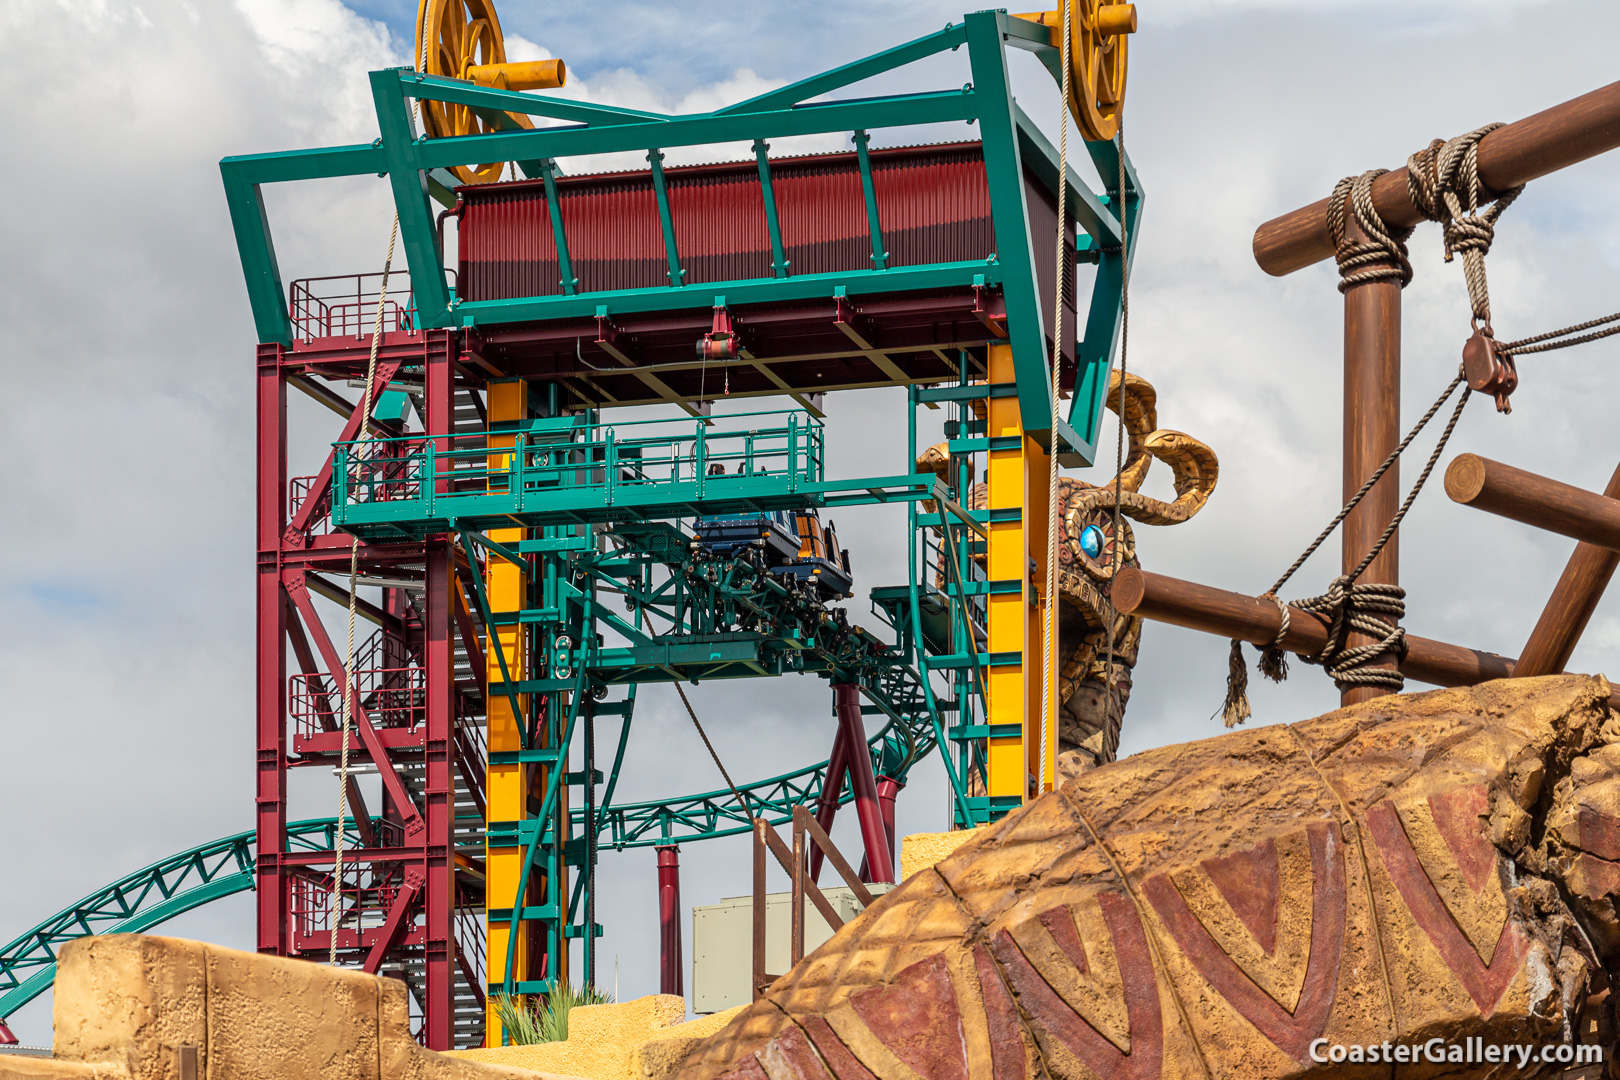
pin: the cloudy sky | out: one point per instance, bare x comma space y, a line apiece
126, 421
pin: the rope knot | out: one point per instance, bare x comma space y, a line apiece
1382, 256
1443, 183
1371, 609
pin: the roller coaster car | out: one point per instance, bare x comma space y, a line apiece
725, 535
819, 558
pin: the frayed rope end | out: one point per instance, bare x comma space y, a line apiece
1237, 708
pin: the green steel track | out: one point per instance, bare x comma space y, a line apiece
140, 901
188, 880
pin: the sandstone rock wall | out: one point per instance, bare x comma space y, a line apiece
129, 1007
1389, 872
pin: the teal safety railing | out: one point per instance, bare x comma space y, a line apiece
565, 471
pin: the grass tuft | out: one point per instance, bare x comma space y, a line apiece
546, 1019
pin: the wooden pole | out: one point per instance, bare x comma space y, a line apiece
1161, 598
1233, 615
1550, 140
1535, 500
1570, 607
1372, 412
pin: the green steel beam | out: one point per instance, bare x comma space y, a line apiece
816, 85
408, 177
779, 262
738, 293
666, 222
459, 92
1041, 159
874, 226
1003, 166
1097, 349
902, 110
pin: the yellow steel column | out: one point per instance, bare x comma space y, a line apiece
1016, 551
508, 784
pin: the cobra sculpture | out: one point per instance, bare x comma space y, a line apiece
1093, 689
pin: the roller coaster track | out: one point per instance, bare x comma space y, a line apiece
140, 901
224, 867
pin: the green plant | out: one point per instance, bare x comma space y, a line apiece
546, 1020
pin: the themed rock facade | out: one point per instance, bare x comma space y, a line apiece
1441, 865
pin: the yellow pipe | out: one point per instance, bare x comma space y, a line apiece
524, 75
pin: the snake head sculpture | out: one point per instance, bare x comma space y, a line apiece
1093, 689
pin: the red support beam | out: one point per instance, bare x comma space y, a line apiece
270, 789
410, 815
395, 923
323, 480
439, 908
670, 968
831, 788
847, 702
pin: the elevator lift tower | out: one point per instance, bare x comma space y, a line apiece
528, 531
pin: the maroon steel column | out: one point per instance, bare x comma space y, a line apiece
1372, 412
831, 788
439, 904
847, 700
888, 789
670, 968
270, 794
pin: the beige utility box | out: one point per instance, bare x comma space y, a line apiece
723, 942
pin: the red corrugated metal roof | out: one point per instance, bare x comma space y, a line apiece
933, 202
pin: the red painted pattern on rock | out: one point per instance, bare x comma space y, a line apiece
1459, 816
1145, 1059
1483, 982
1249, 881
917, 1018
1059, 922
1290, 1032
1007, 1058
844, 1064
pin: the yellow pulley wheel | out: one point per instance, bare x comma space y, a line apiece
1099, 34
461, 39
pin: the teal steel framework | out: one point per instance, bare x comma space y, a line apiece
618, 596
416, 169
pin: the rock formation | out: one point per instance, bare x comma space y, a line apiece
1430, 866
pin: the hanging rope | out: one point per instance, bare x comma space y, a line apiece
1443, 183
1546, 343
742, 802
1116, 706
1050, 644
354, 571
1372, 609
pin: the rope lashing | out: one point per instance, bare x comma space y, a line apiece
1371, 609
1442, 180
1382, 256
1348, 606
